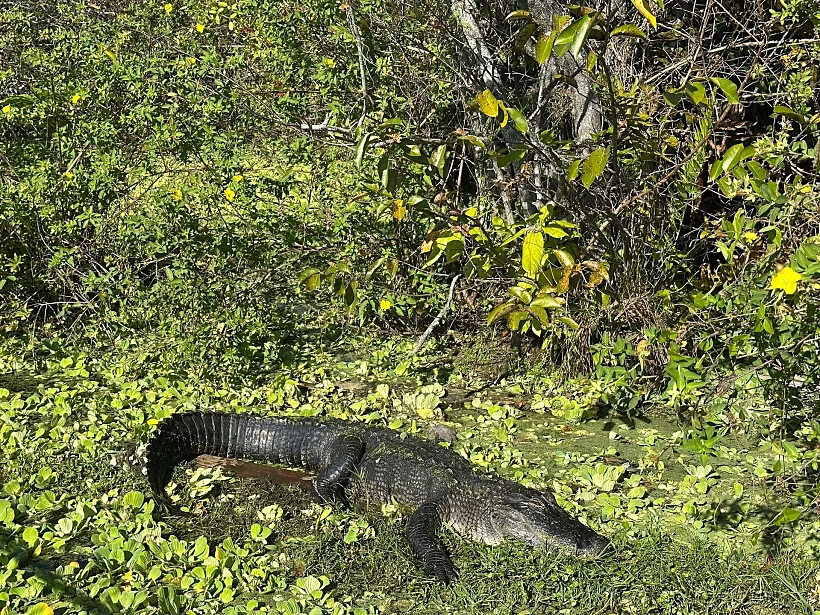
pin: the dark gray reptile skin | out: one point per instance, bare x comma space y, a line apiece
373, 466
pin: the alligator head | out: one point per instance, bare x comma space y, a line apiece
536, 518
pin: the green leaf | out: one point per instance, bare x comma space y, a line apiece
567, 35
522, 294
472, 140
543, 48
565, 258
350, 295
515, 318
40, 609
594, 166
628, 29
518, 119
533, 252
728, 88
30, 536
732, 157
673, 97
547, 301
789, 113
572, 170
757, 170
555, 231
499, 311
714, 170
584, 26
519, 14
643, 8
438, 159
391, 123
503, 109
513, 155
524, 35
361, 148
696, 91
540, 313
787, 515
133, 499
487, 103
569, 322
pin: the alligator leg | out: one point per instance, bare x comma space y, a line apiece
331, 479
422, 527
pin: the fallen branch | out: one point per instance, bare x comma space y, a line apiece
438, 317
246, 469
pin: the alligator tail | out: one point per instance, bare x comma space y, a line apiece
183, 437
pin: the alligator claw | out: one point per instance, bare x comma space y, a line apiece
442, 568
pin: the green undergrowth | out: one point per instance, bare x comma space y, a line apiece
697, 526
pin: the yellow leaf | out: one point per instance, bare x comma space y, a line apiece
169, 7
176, 194
643, 7
563, 283
426, 413
426, 246
229, 194
200, 27
384, 304
152, 421
40, 609
786, 279
487, 103
399, 210
238, 178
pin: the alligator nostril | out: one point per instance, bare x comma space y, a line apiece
592, 545
596, 545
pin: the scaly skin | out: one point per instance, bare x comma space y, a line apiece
373, 466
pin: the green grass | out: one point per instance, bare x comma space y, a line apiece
81, 535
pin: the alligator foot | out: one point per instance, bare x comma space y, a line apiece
422, 527
331, 480
439, 565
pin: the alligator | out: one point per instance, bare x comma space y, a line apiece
364, 465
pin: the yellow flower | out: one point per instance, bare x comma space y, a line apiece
176, 194
229, 194
384, 304
200, 27
169, 7
238, 178
750, 236
7, 109
75, 99
787, 279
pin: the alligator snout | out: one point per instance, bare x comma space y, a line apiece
592, 545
